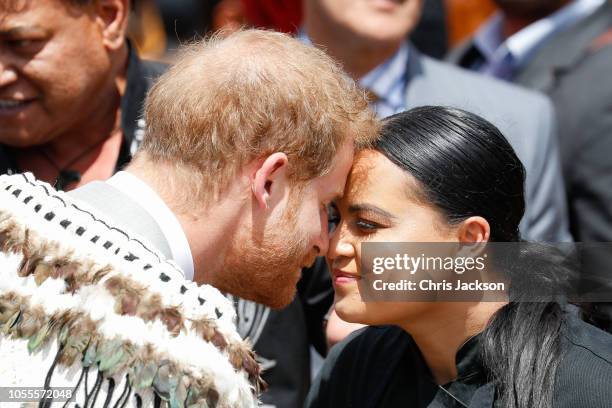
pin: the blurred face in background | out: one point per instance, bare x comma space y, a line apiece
374, 21
53, 66
532, 9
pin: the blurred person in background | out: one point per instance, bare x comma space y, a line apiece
429, 36
71, 89
564, 49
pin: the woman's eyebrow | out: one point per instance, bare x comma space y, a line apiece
353, 208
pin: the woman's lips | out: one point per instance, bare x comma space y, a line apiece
344, 278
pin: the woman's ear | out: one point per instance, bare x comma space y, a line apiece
113, 16
474, 230
272, 170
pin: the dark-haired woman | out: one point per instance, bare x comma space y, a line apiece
445, 175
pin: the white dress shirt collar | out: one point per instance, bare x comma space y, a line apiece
490, 42
148, 199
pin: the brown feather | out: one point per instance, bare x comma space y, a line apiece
172, 318
150, 307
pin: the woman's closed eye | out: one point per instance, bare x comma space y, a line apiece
366, 226
368, 219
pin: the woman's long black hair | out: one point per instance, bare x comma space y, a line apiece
466, 168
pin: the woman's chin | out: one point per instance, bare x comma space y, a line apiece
350, 312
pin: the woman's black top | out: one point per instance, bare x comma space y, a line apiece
383, 367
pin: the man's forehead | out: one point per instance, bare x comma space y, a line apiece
328, 187
333, 183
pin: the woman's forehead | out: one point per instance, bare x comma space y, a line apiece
373, 174
378, 180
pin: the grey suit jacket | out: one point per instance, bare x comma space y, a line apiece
575, 72
578, 77
524, 117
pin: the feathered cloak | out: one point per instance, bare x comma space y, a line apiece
87, 305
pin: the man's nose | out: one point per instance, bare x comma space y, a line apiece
322, 243
8, 75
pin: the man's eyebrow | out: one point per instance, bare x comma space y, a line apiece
21, 30
353, 208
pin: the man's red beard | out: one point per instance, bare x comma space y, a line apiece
265, 270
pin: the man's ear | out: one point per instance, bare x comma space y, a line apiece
270, 171
474, 230
112, 16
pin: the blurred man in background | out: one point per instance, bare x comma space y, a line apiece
562, 48
71, 89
